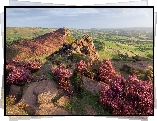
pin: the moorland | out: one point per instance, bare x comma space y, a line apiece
68, 71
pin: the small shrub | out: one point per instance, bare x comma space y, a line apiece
75, 57
94, 69
106, 72
81, 66
33, 66
69, 39
9, 68
77, 83
19, 76
76, 79
63, 75
149, 74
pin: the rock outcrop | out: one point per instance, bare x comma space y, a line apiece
84, 46
31, 94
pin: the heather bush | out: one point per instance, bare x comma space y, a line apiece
11, 65
9, 68
127, 97
81, 66
106, 72
33, 66
19, 76
63, 75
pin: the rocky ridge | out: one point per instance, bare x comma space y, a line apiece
43, 45
83, 46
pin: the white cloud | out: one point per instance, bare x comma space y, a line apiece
68, 11
35, 17
127, 12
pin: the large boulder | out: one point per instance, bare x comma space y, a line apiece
92, 85
31, 94
45, 86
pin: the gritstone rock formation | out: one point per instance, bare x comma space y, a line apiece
83, 46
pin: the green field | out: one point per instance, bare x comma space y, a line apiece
16, 34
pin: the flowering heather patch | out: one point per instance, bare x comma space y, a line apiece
11, 65
131, 97
9, 68
106, 72
81, 66
19, 76
33, 66
63, 75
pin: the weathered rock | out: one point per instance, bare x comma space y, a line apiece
83, 46
29, 97
14, 90
92, 85
90, 110
33, 92
43, 68
45, 86
60, 111
31, 110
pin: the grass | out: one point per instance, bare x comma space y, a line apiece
14, 34
78, 105
111, 49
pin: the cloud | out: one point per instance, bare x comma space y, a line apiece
35, 17
69, 11
70, 16
65, 12
127, 12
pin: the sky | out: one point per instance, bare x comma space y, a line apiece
26, 3
84, 18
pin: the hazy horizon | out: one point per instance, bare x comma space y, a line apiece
84, 18
71, 28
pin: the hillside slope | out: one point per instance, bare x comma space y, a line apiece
42, 45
